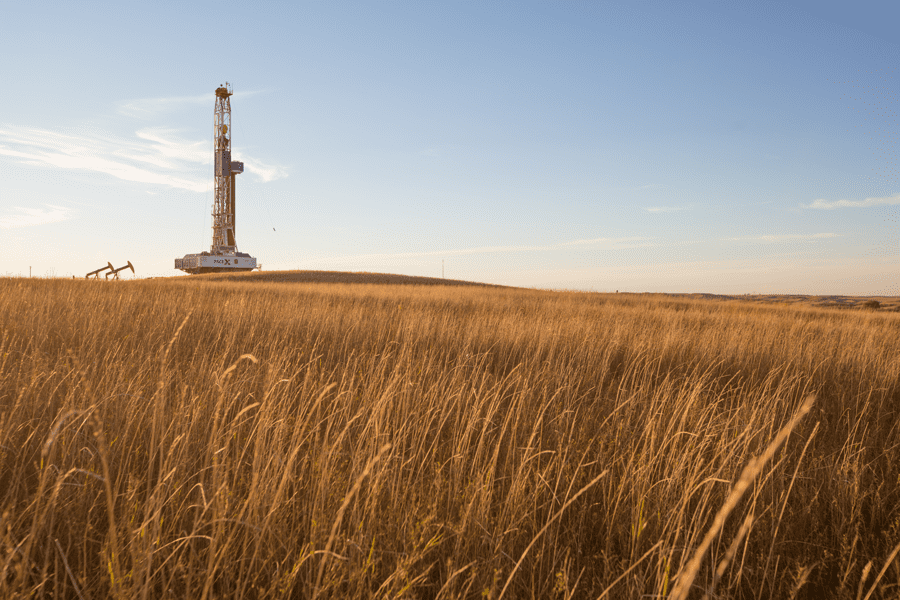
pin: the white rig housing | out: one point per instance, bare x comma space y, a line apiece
212, 263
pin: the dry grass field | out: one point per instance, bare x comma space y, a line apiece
214, 437
334, 277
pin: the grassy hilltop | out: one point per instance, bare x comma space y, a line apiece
244, 437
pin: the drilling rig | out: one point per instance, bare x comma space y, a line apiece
223, 255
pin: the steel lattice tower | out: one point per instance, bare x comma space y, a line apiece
223, 239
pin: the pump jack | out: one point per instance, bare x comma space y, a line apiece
115, 272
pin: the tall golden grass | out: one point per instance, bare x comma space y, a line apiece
191, 438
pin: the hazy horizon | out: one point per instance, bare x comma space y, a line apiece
690, 147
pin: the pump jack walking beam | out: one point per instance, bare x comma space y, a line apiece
115, 272
98, 271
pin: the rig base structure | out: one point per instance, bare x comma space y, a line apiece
215, 263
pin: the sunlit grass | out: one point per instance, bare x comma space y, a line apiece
208, 439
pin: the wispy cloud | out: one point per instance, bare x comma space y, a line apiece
790, 237
604, 243
141, 160
833, 204
626, 242
664, 209
29, 217
145, 108
264, 171
158, 156
166, 145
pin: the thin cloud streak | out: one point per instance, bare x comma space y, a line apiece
833, 204
607, 243
792, 237
166, 144
264, 171
144, 108
602, 240
149, 107
30, 217
664, 209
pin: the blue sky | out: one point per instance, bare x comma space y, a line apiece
643, 146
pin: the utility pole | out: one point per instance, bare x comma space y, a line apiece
442, 269
29, 272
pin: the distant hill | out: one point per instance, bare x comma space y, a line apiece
334, 277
